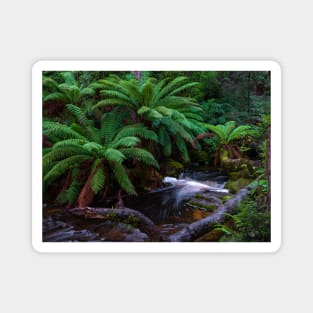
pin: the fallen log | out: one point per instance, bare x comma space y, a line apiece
122, 214
201, 227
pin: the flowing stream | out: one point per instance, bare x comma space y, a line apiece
170, 207
170, 200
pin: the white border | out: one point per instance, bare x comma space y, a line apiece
169, 247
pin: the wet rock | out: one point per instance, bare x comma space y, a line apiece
59, 231
235, 186
205, 202
125, 232
137, 236
172, 167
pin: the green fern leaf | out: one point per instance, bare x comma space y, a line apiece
123, 179
140, 155
98, 180
63, 166
60, 130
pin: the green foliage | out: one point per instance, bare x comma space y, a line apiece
227, 135
229, 132
250, 223
99, 126
158, 104
106, 153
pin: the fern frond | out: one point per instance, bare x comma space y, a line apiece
93, 148
123, 179
165, 141
71, 90
180, 143
144, 109
60, 131
114, 155
239, 132
140, 155
116, 95
125, 142
63, 166
48, 82
164, 110
78, 113
60, 153
70, 195
228, 127
69, 143
170, 86
87, 91
98, 180
147, 92
184, 87
217, 131
111, 122
112, 101
56, 96
69, 78
137, 130
153, 114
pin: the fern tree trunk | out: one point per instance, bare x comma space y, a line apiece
268, 166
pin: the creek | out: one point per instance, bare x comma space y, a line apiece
179, 202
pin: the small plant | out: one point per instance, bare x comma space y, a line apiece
250, 224
227, 134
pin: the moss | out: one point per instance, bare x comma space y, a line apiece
173, 168
201, 206
234, 175
225, 198
236, 185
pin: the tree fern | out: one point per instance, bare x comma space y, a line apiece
156, 104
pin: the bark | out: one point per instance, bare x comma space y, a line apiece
201, 227
144, 223
268, 166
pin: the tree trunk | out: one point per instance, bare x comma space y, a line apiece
201, 227
144, 223
268, 166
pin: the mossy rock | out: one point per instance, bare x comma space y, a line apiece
172, 168
207, 207
234, 175
226, 198
236, 185
205, 202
